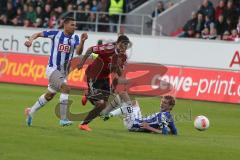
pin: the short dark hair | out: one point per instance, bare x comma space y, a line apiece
123, 38
68, 19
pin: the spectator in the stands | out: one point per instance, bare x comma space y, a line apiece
238, 25
2, 3
221, 25
237, 4
92, 19
38, 23
190, 33
94, 6
85, 17
83, 3
205, 33
60, 24
39, 3
10, 11
14, 21
159, 9
207, 9
31, 14
52, 20
114, 8
20, 16
230, 25
25, 9
207, 22
39, 12
197, 35
58, 6
234, 35
103, 18
219, 9
200, 22
226, 36
230, 12
191, 23
212, 32
47, 11
102, 6
58, 11
4, 20
27, 23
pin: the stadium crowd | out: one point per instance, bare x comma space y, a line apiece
221, 22
44, 13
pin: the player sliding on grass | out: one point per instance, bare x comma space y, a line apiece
160, 122
63, 45
111, 60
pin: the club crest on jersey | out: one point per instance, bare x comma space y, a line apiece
64, 48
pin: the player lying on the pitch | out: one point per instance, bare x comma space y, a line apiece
160, 122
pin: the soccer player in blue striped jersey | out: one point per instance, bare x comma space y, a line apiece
63, 45
161, 122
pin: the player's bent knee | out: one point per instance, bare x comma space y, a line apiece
49, 96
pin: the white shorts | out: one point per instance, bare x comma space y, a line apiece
55, 79
129, 119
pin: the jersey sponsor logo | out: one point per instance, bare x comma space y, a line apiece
64, 48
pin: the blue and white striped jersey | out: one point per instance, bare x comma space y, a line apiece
160, 120
62, 49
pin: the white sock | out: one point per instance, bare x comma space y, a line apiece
63, 105
39, 104
123, 110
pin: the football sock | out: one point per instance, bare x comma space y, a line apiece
40, 103
123, 110
63, 106
93, 114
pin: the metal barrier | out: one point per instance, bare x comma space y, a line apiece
96, 21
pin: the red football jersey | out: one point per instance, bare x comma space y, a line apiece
108, 61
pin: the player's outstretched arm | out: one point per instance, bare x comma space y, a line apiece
83, 60
148, 127
80, 47
28, 42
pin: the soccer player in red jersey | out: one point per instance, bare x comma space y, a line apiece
111, 60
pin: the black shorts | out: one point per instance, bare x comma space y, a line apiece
98, 90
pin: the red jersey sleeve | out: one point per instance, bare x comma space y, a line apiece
104, 49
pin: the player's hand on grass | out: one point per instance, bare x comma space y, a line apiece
84, 36
28, 43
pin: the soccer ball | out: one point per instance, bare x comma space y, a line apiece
201, 123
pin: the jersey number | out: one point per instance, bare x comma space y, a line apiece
129, 109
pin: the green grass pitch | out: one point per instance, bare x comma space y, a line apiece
46, 140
